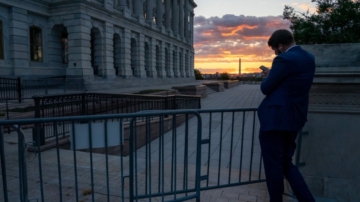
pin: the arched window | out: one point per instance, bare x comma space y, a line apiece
36, 44
1, 41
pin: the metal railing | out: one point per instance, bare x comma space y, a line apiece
173, 158
27, 88
71, 175
97, 103
10, 88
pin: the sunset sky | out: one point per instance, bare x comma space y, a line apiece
226, 30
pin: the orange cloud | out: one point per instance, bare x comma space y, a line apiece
229, 31
220, 42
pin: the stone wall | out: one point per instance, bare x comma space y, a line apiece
200, 90
216, 86
231, 84
331, 151
335, 55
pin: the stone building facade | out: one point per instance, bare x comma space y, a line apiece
110, 41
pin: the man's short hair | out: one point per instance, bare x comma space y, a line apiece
281, 36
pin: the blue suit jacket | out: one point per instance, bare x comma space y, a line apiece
287, 91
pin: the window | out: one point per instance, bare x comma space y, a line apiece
1, 41
35, 44
64, 47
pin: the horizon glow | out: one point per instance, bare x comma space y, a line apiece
225, 31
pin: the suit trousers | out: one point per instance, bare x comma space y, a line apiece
278, 148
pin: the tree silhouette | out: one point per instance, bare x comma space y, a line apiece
335, 21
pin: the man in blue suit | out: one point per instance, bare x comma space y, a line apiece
283, 113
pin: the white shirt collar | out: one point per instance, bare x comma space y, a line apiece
290, 48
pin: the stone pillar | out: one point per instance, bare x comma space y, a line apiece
181, 17
181, 63
159, 13
176, 59
175, 17
191, 37
108, 70
167, 15
122, 4
126, 72
138, 9
152, 55
149, 11
163, 60
141, 53
173, 61
124, 8
79, 31
191, 68
19, 40
170, 67
187, 63
186, 12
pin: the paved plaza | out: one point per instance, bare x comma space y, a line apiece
217, 164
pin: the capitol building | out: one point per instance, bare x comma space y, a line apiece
125, 41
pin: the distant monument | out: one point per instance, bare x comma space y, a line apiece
239, 66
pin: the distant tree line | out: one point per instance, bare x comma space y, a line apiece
335, 21
198, 75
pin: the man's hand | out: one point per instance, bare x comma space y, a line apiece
265, 71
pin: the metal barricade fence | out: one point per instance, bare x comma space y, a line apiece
92, 172
170, 156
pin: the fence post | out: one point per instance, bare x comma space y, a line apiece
7, 114
3, 165
38, 129
174, 102
199, 103
166, 103
18, 85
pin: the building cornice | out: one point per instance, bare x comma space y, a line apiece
193, 3
40, 7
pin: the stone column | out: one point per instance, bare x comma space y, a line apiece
191, 69
163, 60
176, 59
187, 64
181, 17
191, 37
170, 68
19, 40
186, 12
149, 11
126, 11
181, 63
152, 49
141, 53
108, 70
173, 61
167, 15
126, 72
175, 17
79, 31
138, 7
122, 4
159, 13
